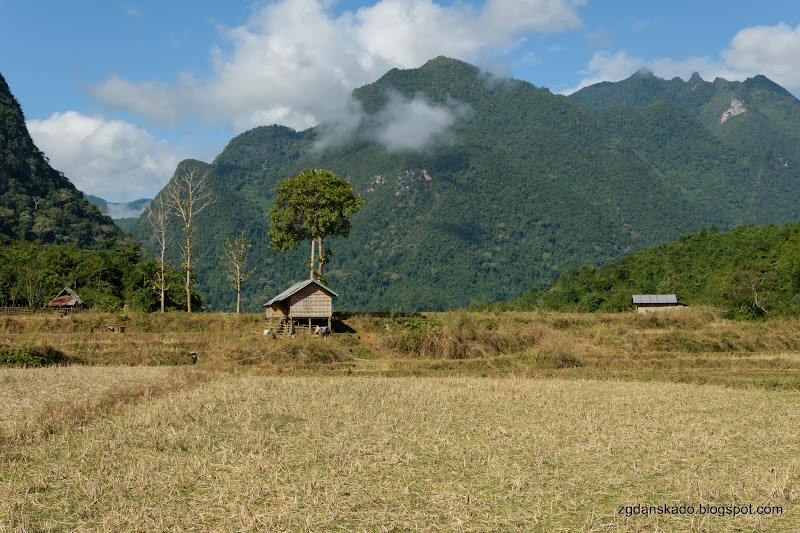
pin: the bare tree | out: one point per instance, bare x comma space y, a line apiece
234, 257
158, 215
188, 196
30, 285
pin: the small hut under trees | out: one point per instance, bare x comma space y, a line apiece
650, 303
300, 308
66, 300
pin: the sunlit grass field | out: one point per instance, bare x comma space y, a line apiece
255, 453
444, 422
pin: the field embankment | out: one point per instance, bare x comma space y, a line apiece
694, 346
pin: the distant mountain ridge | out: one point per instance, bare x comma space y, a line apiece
520, 186
756, 113
38, 203
124, 214
120, 209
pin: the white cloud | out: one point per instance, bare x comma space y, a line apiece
112, 159
124, 210
295, 63
773, 51
607, 67
416, 124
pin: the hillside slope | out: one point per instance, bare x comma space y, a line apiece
38, 203
521, 186
750, 271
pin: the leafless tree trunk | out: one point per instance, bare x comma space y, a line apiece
321, 259
311, 276
188, 197
234, 256
158, 215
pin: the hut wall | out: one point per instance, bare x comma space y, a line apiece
277, 310
656, 308
310, 302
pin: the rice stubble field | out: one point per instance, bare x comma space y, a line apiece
238, 451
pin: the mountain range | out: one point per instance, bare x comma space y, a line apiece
479, 187
124, 214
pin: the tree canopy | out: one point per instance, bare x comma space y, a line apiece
313, 205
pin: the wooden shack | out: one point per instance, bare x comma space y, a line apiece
66, 301
300, 308
651, 303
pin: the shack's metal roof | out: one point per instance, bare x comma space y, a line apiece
655, 299
296, 287
65, 298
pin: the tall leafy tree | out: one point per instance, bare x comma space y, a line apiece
313, 205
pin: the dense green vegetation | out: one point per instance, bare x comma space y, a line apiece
750, 271
38, 203
769, 122
525, 185
31, 275
51, 236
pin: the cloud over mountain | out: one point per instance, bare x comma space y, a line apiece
295, 63
416, 124
94, 152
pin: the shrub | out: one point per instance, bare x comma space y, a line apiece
30, 355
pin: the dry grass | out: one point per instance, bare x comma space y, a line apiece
25, 392
250, 453
692, 346
36, 411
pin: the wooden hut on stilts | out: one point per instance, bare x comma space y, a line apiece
305, 307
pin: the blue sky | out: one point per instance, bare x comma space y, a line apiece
117, 93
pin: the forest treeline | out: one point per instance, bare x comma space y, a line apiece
751, 272
32, 274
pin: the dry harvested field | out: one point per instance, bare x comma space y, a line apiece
239, 452
433, 422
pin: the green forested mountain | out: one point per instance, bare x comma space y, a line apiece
522, 186
751, 271
38, 203
756, 113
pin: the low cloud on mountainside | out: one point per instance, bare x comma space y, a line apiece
126, 210
415, 124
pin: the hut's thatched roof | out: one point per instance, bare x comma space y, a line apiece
66, 298
296, 287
